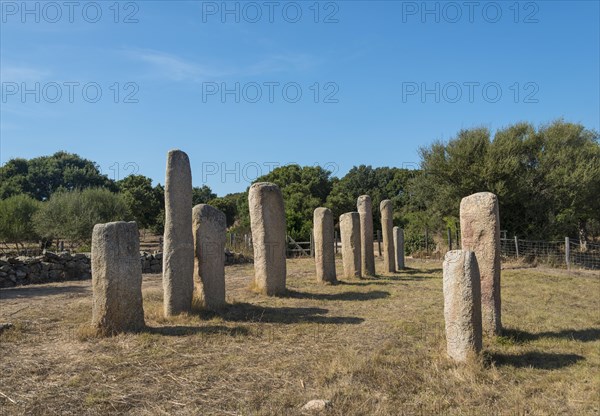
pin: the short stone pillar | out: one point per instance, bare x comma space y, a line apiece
387, 225
365, 209
209, 225
399, 247
480, 233
116, 278
178, 243
462, 305
324, 251
267, 220
350, 236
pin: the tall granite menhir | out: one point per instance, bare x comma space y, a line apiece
351, 249
116, 278
399, 247
365, 209
178, 249
324, 251
480, 232
387, 225
209, 225
267, 220
462, 305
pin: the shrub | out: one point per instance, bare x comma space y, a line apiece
414, 242
16, 224
72, 215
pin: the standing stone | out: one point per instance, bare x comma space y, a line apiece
209, 226
365, 209
480, 229
116, 278
399, 247
267, 220
462, 305
324, 250
178, 245
350, 236
387, 225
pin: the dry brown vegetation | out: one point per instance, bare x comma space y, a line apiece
370, 346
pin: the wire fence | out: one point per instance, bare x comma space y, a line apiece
242, 243
566, 253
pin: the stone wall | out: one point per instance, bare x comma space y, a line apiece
49, 267
151, 263
52, 267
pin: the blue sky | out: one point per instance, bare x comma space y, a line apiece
361, 68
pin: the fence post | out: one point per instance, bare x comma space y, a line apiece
379, 241
457, 239
449, 240
517, 246
312, 245
568, 253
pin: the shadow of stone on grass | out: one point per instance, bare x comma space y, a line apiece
412, 271
521, 337
537, 360
245, 312
349, 296
30, 291
364, 282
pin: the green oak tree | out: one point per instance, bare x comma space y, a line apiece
41, 176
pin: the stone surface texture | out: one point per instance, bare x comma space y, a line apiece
480, 233
387, 225
351, 247
210, 227
365, 209
178, 243
267, 220
324, 250
116, 278
462, 305
399, 248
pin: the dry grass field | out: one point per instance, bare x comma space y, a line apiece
371, 347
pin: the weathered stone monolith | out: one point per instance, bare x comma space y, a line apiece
116, 278
350, 236
480, 233
267, 220
210, 226
324, 250
399, 247
365, 209
462, 305
387, 225
178, 245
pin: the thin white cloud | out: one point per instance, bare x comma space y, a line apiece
173, 67
13, 73
281, 63
176, 68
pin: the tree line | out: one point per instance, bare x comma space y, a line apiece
547, 180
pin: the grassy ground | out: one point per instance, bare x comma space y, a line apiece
370, 346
